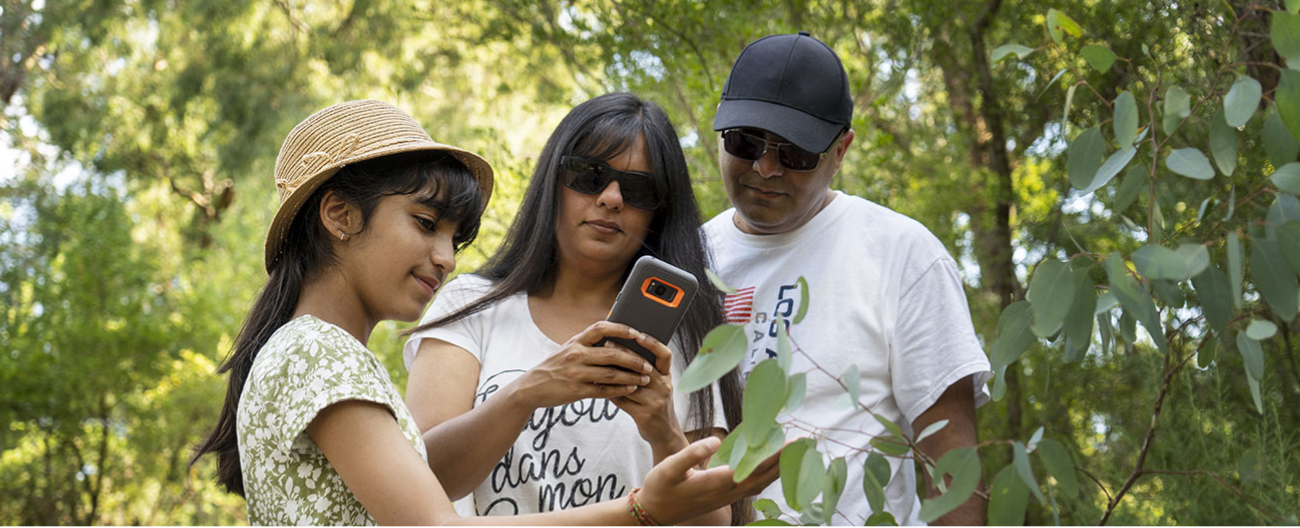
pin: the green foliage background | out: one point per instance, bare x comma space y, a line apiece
139, 138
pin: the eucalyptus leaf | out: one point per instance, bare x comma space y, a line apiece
768, 508
1099, 57
1178, 105
1208, 352
1287, 99
1050, 293
1115, 163
1058, 23
1159, 262
1014, 334
1025, 470
1190, 162
1223, 144
1260, 329
1213, 290
890, 445
798, 385
1078, 321
1069, 99
1008, 499
1059, 465
1287, 177
1134, 181
790, 465
1236, 265
1252, 354
1288, 239
1126, 119
884, 518
721, 351
1274, 278
1284, 31
757, 454
836, 476
802, 311
1085, 157
1007, 50
812, 476
875, 477
1105, 333
964, 465
931, 429
1242, 100
890, 426
1280, 146
784, 351
1254, 394
764, 396
1035, 438
1135, 300
722, 456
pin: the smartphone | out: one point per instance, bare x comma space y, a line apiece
653, 300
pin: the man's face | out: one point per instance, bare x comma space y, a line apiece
771, 198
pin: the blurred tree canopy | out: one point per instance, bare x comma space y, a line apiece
138, 138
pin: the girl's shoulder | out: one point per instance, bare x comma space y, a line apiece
307, 344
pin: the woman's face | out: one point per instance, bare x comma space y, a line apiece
600, 229
401, 258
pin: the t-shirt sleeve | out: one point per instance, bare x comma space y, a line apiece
466, 333
315, 374
934, 343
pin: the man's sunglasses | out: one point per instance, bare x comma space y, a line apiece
589, 176
750, 146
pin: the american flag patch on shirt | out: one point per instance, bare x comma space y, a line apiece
739, 306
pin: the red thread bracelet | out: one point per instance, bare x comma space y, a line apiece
639, 513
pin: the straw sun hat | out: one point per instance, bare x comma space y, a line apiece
347, 133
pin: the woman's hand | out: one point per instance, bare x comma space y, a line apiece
580, 369
676, 490
651, 405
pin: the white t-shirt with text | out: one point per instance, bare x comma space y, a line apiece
883, 294
567, 456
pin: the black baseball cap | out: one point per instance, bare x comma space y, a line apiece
793, 86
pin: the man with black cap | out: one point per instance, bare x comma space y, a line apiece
858, 285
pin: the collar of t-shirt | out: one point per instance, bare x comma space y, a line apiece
820, 222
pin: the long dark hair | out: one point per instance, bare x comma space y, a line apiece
442, 182
602, 128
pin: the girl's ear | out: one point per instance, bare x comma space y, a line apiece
340, 218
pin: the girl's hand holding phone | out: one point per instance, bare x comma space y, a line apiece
677, 490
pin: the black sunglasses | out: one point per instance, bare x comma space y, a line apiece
750, 146
590, 176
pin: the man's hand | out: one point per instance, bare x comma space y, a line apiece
957, 405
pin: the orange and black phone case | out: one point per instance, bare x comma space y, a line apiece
653, 300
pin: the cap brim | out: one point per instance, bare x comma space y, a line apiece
805, 131
284, 216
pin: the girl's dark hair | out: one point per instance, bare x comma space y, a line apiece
602, 128
438, 179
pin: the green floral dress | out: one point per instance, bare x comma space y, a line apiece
306, 366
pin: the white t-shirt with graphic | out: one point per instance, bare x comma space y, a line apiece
883, 294
567, 456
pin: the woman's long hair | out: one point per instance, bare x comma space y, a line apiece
441, 182
601, 128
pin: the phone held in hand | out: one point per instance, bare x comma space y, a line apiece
653, 300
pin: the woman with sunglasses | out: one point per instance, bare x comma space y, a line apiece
504, 369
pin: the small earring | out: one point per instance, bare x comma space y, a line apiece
342, 237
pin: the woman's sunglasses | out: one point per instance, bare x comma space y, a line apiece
590, 176
749, 146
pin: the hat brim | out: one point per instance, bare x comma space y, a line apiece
284, 216
805, 131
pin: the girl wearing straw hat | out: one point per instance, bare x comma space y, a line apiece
312, 431
502, 361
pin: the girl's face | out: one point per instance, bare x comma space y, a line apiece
399, 261
601, 228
